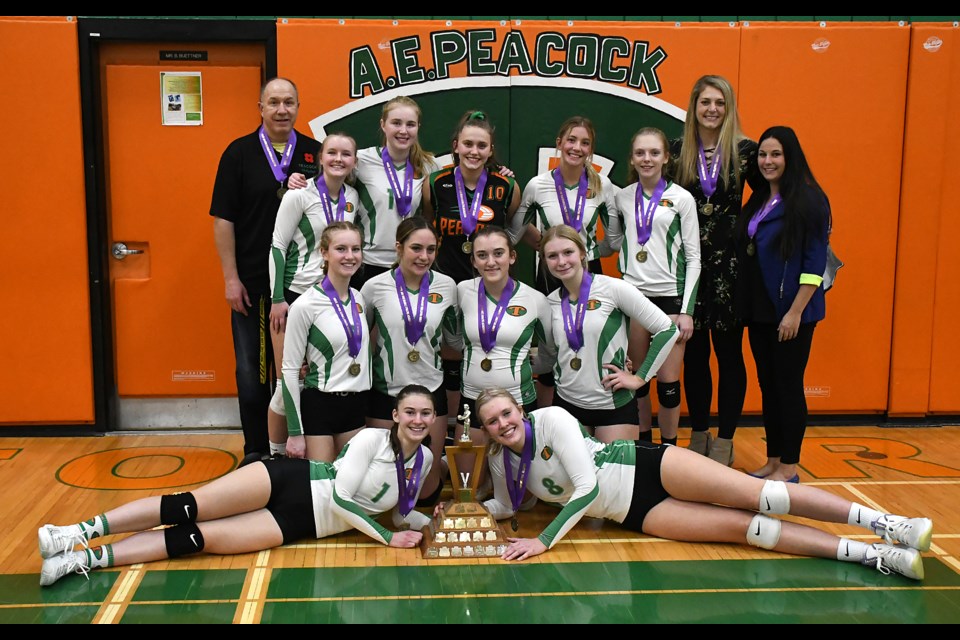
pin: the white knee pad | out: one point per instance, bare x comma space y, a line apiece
774, 497
276, 402
764, 532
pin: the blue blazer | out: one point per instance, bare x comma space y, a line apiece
781, 278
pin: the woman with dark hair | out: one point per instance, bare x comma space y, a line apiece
408, 309
783, 253
712, 160
266, 504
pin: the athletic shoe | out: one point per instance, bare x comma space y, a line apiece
899, 559
915, 533
60, 565
53, 540
700, 442
721, 450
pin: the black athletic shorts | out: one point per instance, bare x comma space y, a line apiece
648, 489
327, 414
291, 502
593, 418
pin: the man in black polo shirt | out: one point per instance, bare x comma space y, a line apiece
251, 181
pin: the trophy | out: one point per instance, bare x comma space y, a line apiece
463, 528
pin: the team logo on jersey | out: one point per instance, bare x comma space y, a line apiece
485, 214
408, 474
435, 298
350, 208
547, 453
517, 311
666, 203
593, 305
360, 308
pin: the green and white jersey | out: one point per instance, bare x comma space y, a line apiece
570, 468
361, 484
527, 316
540, 207
315, 334
613, 304
295, 261
378, 218
672, 266
392, 367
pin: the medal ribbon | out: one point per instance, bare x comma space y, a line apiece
488, 330
469, 215
758, 217
573, 323
517, 486
279, 168
413, 324
574, 218
643, 216
708, 177
408, 489
355, 331
321, 184
403, 196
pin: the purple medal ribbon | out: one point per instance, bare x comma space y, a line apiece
708, 178
408, 490
414, 324
517, 486
573, 324
758, 217
403, 196
574, 218
645, 223
355, 331
321, 184
279, 168
488, 330
469, 215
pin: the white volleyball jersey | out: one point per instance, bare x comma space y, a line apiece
393, 368
295, 261
612, 305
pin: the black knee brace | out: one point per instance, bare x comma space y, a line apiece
643, 391
451, 375
178, 508
668, 394
183, 539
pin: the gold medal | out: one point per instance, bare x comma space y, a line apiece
413, 356
486, 364
642, 255
355, 369
707, 209
576, 363
467, 247
751, 249
282, 190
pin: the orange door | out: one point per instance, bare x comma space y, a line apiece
171, 323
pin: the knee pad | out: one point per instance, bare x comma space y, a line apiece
451, 375
643, 391
764, 532
668, 394
276, 402
178, 508
183, 539
546, 379
774, 497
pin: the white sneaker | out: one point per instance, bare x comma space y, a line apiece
916, 533
903, 560
53, 540
60, 565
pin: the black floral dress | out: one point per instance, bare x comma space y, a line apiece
718, 256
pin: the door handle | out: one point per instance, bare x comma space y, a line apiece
120, 251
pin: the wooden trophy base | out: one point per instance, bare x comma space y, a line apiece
463, 530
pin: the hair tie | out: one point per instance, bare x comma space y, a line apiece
477, 115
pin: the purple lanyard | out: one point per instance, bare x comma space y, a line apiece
758, 217
488, 330
573, 324
405, 196
574, 218
321, 184
279, 168
469, 214
413, 324
355, 331
408, 488
517, 486
708, 178
645, 223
